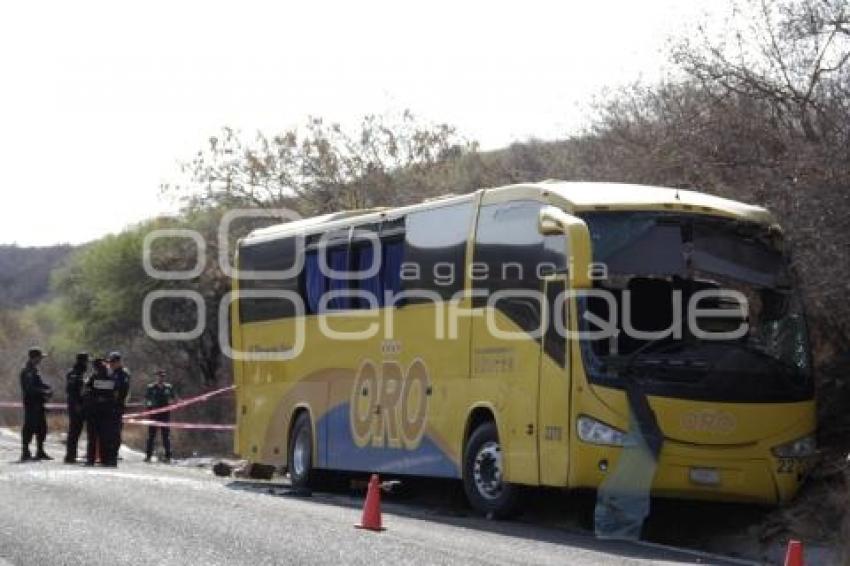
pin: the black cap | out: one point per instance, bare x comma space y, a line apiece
35, 353
159, 372
83, 358
114, 356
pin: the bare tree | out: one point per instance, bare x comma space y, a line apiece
323, 167
793, 55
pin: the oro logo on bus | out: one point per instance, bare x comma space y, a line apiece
389, 404
708, 420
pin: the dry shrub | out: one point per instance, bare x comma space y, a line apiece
820, 506
821, 512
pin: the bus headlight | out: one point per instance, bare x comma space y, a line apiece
800, 448
596, 432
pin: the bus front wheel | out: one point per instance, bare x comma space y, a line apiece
301, 452
483, 474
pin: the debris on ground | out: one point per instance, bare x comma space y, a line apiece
255, 471
222, 469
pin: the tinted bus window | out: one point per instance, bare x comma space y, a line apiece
510, 251
435, 249
275, 255
388, 277
512, 254
332, 250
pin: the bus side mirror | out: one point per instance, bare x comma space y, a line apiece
553, 220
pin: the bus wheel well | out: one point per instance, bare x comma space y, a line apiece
478, 417
295, 414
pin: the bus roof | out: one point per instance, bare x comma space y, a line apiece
622, 196
575, 196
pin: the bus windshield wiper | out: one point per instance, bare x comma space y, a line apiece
653, 346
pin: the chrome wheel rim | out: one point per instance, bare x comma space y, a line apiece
487, 470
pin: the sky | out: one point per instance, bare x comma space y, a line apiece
100, 102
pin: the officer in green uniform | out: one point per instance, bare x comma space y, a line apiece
159, 394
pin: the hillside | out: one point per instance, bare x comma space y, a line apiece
25, 273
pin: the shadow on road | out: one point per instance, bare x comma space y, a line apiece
550, 516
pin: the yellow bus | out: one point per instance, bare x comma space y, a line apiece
504, 338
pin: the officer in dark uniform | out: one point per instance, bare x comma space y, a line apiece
121, 377
159, 394
74, 381
99, 403
35, 394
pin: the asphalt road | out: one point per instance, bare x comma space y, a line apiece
51, 513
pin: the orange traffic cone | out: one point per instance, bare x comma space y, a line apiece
794, 554
371, 519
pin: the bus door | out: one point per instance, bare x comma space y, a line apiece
554, 404
567, 257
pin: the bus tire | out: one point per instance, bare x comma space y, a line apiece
300, 460
483, 473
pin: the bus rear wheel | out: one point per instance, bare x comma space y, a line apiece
483, 475
300, 461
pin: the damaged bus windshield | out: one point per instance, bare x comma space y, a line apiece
654, 265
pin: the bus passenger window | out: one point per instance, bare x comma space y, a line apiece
315, 283
510, 252
388, 277
338, 262
365, 262
277, 255
512, 257
435, 250
391, 268
318, 284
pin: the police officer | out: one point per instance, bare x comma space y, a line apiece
159, 394
99, 403
35, 394
121, 378
74, 381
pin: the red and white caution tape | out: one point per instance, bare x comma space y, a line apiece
180, 404
190, 426
134, 418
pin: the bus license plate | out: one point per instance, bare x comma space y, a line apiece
705, 476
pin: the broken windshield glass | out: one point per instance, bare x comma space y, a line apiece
636, 244
657, 266
719, 250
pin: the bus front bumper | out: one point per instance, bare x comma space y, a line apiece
706, 476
